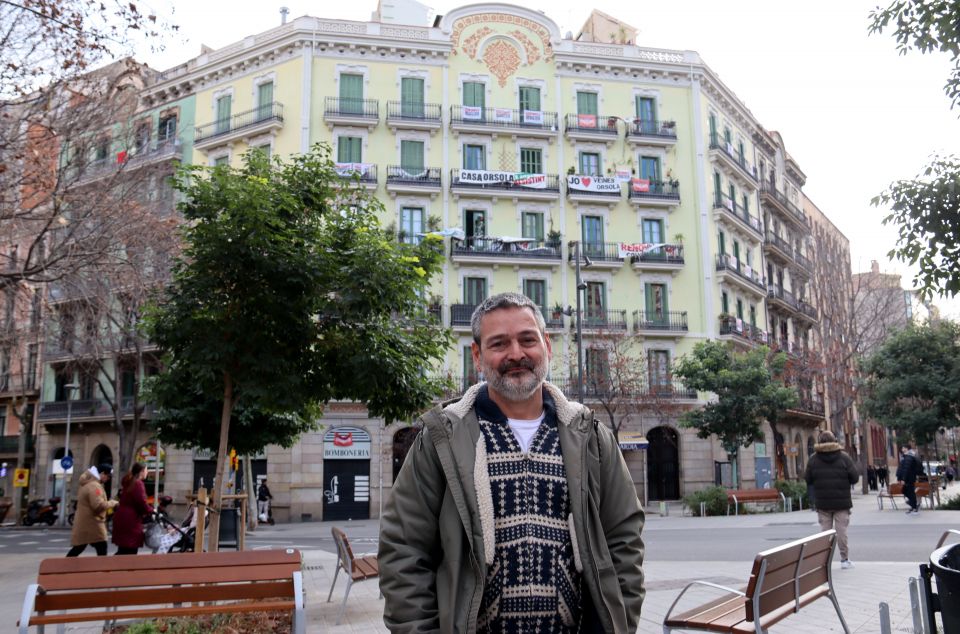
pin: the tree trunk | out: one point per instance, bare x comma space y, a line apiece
218, 484
251, 493
21, 464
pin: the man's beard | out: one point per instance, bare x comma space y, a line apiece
517, 387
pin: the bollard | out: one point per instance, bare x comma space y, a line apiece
664, 511
800, 502
885, 619
703, 509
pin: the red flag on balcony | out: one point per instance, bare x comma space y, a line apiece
121, 157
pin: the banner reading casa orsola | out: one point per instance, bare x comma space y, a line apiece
520, 179
593, 183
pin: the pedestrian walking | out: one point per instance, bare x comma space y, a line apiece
907, 473
831, 473
90, 520
871, 477
514, 510
263, 501
883, 475
128, 520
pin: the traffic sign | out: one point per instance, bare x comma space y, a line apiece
66, 462
21, 477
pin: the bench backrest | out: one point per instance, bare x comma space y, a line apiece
895, 488
343, 548
74, 583
922, 489
782, 576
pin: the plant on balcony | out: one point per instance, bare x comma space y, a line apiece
434, 223
571, 171
554, 237
678, 238
557, 311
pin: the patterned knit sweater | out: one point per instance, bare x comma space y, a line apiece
533, 585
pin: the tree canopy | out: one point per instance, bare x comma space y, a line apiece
913, 380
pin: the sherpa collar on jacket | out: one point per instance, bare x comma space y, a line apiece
827, 447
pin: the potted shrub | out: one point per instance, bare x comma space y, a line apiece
553, 237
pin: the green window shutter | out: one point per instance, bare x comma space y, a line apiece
474, 157
753, 315
476, 223
529, 98
650, 168
351, 93
473, 94
411, 155
475, 290
725, 303
469, 371
587, 103
746, 204
713, 128
224, 105
722, 243
264, 100
589, 164
221, 160
739, 309
647, 113
532, 225
411, 97
349, 150
736, 250
536, 290
531, 160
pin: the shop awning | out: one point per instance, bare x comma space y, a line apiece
632, 441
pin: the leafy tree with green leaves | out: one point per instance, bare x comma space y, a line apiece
287, 296
913, 380
925, 209
749, 390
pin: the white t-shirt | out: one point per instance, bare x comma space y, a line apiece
524, 430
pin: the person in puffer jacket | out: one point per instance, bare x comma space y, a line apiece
831, 473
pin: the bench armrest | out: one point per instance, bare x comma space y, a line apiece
946, 534
700, 583
29, 601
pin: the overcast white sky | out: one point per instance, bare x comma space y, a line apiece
853, 113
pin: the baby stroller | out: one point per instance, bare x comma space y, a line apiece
166, 536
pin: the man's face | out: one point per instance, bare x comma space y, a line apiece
104, 478
513, 354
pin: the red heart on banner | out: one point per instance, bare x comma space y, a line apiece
585, 181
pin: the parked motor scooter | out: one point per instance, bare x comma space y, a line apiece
41, 511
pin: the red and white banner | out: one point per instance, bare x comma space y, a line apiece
628, 249
503, 115
640, 185
586, 120
593, 183
533, 117
519, 179
472, 113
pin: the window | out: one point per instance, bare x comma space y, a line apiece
718, 191
655, 296
536, 290
4, 371
722, 243
658, 362
587, 103
103, 146
592, 227
597, 367
746, 204
351, 94
223, 106
647, 114
411, 156
650, 168
652, 231
753, 315
411, 223
589, 163
221, 160
469, 371
167, 130
474, 94
141, 141
740, 151
88, 385
349, 149
411, 97
732, 195
531, 160
736, 252
35, 304
529, 98
61, 379
266, 149
713, 129
725, 303
596, 293
265, 100
739, 309
128, 383
474, 157
476, 223
474, 290
532, 225
727, 137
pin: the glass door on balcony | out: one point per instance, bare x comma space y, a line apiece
589, 164
411, 97
474, 290
596, 370
647, 114
474, 157
411, 157
474, 94
264, 100
595, 314
476, 223
349, 149
411, 224
658, 362
587, 103
652, 231
655, 296
351, 94
531, 160
532, 222
224, 104
650, 169
529, 98
536, 290
592, 235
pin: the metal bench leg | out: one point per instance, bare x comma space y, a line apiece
343, 607
299, 613
836, 606
335, 573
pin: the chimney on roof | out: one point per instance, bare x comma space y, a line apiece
874, 266
283, 14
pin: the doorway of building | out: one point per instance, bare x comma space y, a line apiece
346, 490
402, 441
663, 469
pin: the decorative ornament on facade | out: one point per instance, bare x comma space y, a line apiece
502, 59
533, 53
536, 29
471, 44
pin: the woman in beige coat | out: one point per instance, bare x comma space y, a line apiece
90, 522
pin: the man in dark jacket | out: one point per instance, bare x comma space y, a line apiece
907, 473
831, 473
514, 510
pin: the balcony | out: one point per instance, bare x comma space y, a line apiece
403, 115
79, 409
460, 315
603, 255
652, 133
736, 165
653, 388
591, 127
603, 320
804, 265
648, 193
10, 445
586, 188
517, 123
778, 247
515, 185
812, 406
740, 275
407, 180
734, 328
364, 113
772, 197
239, 127
807, 311
782, 299
670, 324
135, 158
361, 174
504, 250
725, 208
656, 257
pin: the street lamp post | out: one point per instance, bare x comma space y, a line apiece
70, 388
581, 286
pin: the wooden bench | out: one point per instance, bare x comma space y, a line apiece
742, 496
783, 580
357, 568
895, 490
81, 589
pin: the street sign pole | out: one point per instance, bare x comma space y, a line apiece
65, 498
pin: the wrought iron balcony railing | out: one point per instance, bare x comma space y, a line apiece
730, 325
349, 107
551, 184
503, 118
599, 251
460, 314
716, 143
267, 112
413, 111
723, 201
658, 190
591, 123
785, 203
671, 321
666, 254
652, 128
422, 176
604, 319
728, 263
497, 247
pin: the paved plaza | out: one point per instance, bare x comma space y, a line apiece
860, 590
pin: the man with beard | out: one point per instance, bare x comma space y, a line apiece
514, 510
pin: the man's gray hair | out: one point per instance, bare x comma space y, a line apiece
504, 300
